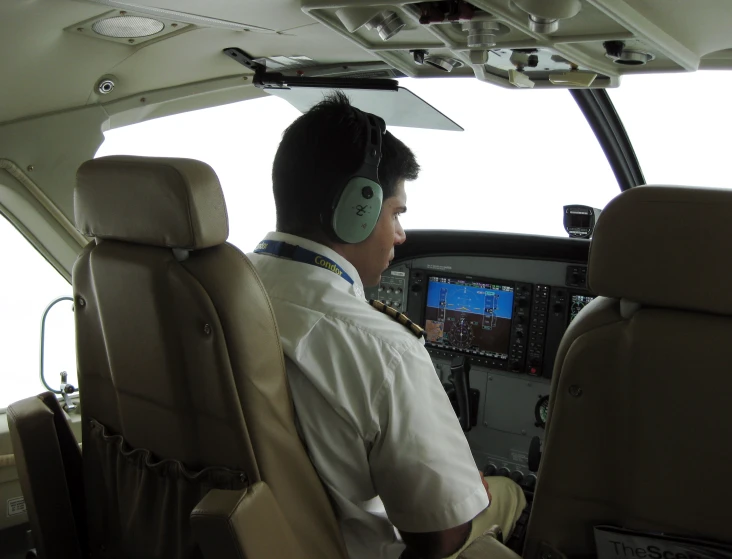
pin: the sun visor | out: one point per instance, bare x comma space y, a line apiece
397, 108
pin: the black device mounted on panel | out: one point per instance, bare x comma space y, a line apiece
579, 221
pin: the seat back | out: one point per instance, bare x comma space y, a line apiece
639, 419
180, 366
48, 460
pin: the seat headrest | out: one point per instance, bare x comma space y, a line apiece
665, 246
165, 202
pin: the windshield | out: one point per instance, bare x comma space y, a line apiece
678, 124
522, 157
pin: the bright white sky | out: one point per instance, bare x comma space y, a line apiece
523, 155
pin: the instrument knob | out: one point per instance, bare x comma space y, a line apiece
516, 476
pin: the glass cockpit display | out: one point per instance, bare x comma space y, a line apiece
469, 316
577, 303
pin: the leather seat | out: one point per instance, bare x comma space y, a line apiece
639, 428
182, 377
50, 473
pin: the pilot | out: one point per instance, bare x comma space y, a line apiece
376, 421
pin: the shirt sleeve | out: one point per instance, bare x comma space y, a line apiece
420, 460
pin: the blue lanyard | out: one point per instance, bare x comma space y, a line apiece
299, 254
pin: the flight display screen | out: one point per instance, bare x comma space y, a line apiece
577, 303
469, 316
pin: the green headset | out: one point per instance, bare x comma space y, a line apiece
353, 207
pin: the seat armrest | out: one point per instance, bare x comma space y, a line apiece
243, 524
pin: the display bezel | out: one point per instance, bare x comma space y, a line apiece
429, 274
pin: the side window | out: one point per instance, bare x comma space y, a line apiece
28, 284
238, 140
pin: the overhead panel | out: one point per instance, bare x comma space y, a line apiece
519, 43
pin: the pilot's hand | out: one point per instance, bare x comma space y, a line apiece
485, 484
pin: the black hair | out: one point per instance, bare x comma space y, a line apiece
318, 152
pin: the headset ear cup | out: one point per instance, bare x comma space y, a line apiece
357, 211
355, 208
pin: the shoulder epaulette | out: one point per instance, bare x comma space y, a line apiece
401, 318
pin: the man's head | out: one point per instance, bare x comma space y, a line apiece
318, 153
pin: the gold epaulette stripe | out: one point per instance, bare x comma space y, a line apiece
401, 318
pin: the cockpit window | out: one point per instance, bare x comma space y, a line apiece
238, 140
28, 285
678, 124
522, 157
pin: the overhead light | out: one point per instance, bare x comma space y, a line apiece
482, 34
633, 58
616, 51
543, 25
544, 16
444, 63
126, 27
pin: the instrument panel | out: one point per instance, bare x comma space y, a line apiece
493, 327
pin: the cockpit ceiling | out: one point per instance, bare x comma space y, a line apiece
58, 53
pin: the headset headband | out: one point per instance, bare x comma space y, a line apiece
374, 128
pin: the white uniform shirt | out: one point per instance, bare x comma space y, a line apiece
376, 421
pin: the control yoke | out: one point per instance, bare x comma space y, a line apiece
460, 378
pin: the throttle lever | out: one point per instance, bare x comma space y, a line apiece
460, 377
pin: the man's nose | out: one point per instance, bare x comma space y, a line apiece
400, 236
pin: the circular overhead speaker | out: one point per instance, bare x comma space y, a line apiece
127, 27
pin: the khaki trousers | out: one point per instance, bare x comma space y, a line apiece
507, 503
